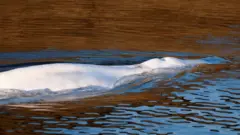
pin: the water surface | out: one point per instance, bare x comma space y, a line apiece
204, 100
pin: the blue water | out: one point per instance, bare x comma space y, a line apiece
204, 101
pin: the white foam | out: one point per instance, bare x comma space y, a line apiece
57, 77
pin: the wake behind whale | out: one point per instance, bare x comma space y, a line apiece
40, 81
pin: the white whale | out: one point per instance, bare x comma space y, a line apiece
62, 76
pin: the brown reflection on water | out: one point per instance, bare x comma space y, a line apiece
162, 102
85, 108
199, 26
168, 25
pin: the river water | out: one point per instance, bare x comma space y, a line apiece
204, 100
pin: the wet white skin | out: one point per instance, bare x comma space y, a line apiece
59, 76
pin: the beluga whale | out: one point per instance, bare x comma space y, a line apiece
64, 76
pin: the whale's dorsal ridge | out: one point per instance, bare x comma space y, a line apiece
152, 63
163, 62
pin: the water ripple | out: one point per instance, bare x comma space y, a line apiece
203, 102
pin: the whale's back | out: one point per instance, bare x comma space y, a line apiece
62, 76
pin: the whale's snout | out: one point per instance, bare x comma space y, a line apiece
215, 60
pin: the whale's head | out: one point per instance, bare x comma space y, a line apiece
171, 62
166, 62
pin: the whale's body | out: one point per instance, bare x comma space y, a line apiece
62, 76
